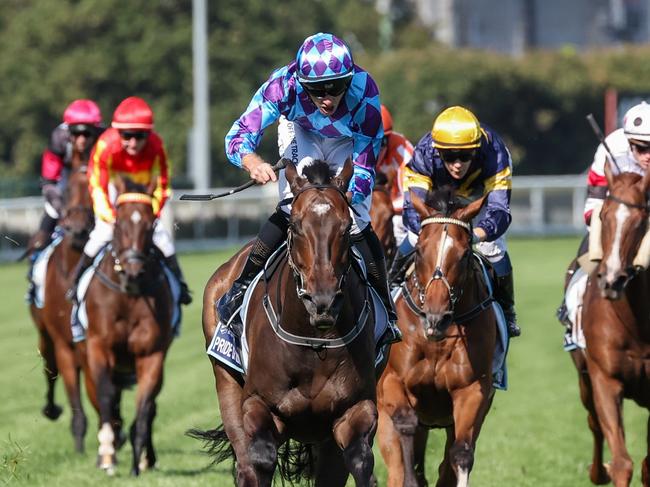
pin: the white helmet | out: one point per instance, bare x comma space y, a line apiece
636, 122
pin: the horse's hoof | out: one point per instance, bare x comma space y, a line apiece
79, 445
52, 411
599, 476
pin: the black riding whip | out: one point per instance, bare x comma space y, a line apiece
599, 133
281, 164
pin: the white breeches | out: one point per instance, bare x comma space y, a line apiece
103, 233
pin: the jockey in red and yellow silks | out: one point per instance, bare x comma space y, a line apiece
130, 148
108, 159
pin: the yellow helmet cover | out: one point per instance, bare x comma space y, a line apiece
456, 128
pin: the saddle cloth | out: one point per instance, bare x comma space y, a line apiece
79, 318
232, 350
574, 295
499, 368
39, 271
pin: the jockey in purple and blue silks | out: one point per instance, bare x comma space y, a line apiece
327, 108
462, 153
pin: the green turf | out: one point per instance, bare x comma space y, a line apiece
535, 435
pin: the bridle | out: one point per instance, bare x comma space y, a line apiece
80, 209
439, 275
295, 270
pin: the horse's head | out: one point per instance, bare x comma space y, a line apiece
133, 234
624, 218
77, 219
319, 239
442, 258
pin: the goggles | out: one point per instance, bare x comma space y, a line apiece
81, 129
137, 135
453, 155
332, 87
640, 148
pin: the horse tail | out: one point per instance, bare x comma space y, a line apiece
215, 443
296, 462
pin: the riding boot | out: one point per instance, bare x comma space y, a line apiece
398, 269
84, 263
43, 237
370, 248
172, 263
504, 293
271, 236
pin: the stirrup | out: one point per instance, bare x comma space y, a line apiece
513, 329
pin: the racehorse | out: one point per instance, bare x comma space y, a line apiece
129, 308
310, 375
440, 374
53, 319
616, 325
381, 215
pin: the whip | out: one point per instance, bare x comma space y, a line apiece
599, 133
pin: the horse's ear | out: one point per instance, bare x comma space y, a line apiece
151, 188
119, 184
342, 181
423, 210
468, 212
609, 175
296, 182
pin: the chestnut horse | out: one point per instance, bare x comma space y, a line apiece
440, 374
53, 319
310, 375
129, 309
381, 215
616, 325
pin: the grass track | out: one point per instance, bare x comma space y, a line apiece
536, 433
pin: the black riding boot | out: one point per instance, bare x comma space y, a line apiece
505, 296
84, 263
43, 237
172, 263
271, 236
370, 248
398, 268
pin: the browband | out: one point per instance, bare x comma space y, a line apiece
453, 221
134, 198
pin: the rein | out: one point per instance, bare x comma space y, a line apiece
645, 207
314, 343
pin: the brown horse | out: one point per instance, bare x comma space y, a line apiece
616, 324
310, 375
129, 309
53, 319
440, 375
381, 215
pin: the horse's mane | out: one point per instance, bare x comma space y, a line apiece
131, 186
318, 172
444, 200
380, 178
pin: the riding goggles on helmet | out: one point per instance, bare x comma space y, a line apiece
451, 155
332, 87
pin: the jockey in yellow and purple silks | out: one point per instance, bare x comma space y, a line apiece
327, 108
470, 157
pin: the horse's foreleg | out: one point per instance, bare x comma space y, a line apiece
446, 474
645, 466
398, 423
597, 471
51, 410
149, 372
608, 400
69, 370
330, 467
99, 361
354, 433
263, 447
470, 406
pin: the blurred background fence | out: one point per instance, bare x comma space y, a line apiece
541, 205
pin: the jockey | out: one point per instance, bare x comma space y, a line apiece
396, 152
80, 128
130, 148
462, 153
328, 108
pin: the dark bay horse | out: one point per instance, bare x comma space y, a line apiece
616, 324
53, 319
440, 374
381, 215
320, 389
129, 308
